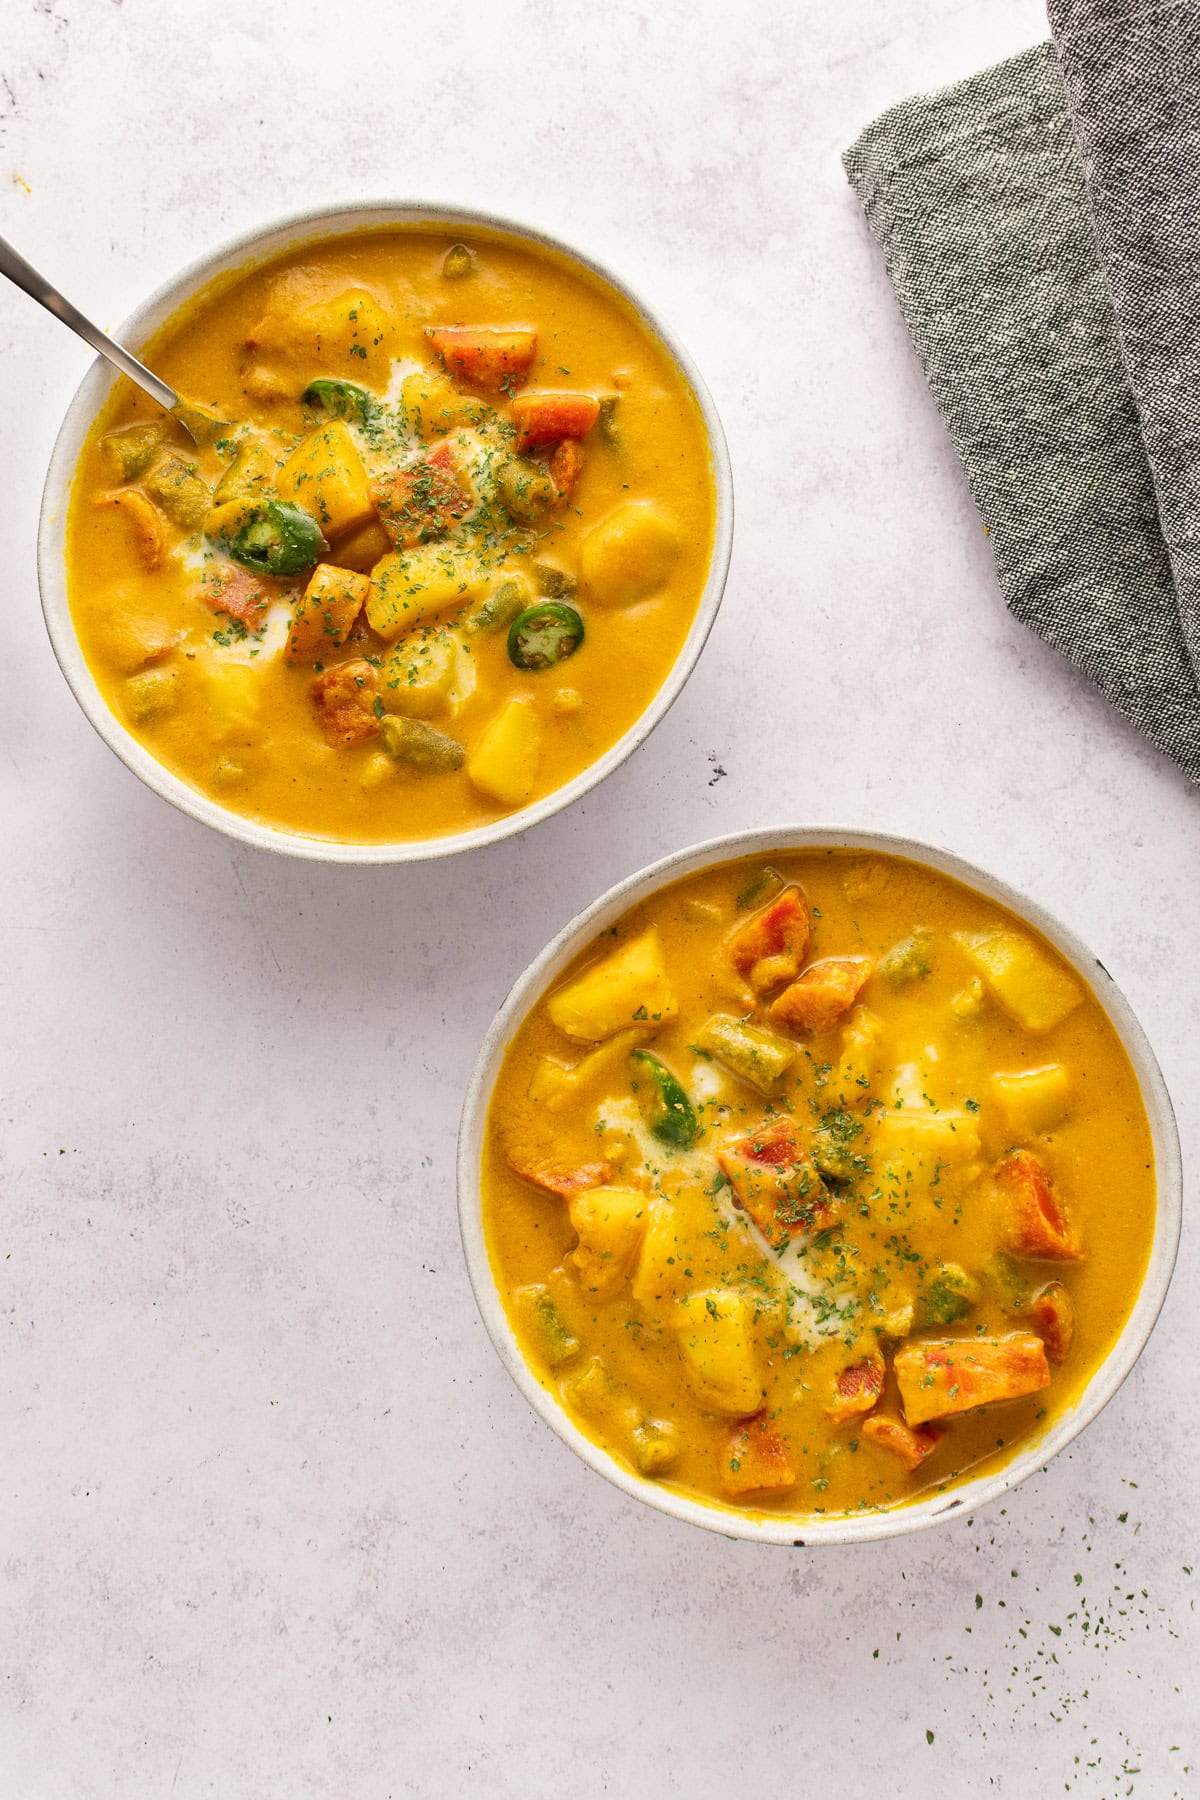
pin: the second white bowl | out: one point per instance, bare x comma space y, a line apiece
917, 1515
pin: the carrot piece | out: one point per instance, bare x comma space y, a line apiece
1031, 1219
771, 946
557, 1178
776, 1181
911, 1446
145, 522
243, 596
938, 1376
485, 359
422, 500
547, 418
756, 1459
1053, 1313
345, 701
857, 1388
823, 993
566, 466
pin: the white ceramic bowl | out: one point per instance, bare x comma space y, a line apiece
246, 252
970, 1494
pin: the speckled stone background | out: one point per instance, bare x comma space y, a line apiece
274, 1521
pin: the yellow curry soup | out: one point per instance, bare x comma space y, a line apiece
810, 1188
441, 542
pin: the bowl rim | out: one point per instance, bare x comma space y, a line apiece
248, 249
918, 1515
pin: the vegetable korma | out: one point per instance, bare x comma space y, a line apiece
440, 540
811, 1187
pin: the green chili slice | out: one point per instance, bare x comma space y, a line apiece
277, 539
340, 399
544, 634
666, 1108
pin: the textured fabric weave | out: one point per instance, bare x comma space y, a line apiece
1132, 75
978, 199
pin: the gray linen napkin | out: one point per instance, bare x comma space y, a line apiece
978, 198
1132, 77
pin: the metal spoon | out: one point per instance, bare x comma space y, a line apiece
198, 421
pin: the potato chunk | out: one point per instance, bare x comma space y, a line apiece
347, 334
756, 1459
504, 763
325, 612
1033, 1100
776, 1182
860, 1037
418, 677
144, 521
823, 993
1028, 983
435, 406
135, 633
1032, 1222
716, 1343
594, 1392
325, 476
770, 947
150, 693
610, 1222
409, 586
232, 695
941, 1376
917, 1144
557, 1085
627, 986
630, 554
663, 1257
362, 549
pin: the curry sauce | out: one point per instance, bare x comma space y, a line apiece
440, 540
811, 1188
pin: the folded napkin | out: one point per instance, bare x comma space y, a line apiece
1040, 223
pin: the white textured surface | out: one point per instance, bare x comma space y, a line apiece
274, 1522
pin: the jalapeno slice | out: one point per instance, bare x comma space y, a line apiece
277, 539
544, 634
666, 1108
340, 399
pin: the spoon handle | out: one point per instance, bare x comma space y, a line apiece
38, 288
